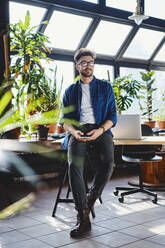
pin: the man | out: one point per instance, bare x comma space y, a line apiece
95, 109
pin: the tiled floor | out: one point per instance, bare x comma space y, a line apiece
136, 223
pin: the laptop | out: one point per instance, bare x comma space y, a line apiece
128, 127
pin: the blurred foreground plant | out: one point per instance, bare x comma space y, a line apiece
9, 120
31, 92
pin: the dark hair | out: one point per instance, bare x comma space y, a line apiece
84, 52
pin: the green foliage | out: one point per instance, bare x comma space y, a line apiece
76, 79
26, 72
125, 89
7, 117
51, 98
35, 97
145, 97
4, 101
29, 46
32, 89
12, 118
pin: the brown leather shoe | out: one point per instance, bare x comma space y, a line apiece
83, 225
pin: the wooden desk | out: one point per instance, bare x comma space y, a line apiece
40, 156
29, 146
153, 173
146, 140
44, 145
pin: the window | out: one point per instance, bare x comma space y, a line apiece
143, 44
134, 109
65, 72
18, 12
65, 30
103, 72
155, 8
108, 37
128, 5
91, 1
159, 77
161, 54
160, 85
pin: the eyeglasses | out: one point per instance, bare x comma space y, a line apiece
86, 63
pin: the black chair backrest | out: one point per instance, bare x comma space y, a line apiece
146, 130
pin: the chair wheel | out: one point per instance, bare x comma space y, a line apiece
116, 192
154, 201
121, 199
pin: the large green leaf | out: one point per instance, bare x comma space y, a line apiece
125, 89
27, 21
5, 100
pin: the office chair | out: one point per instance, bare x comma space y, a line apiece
146, 131
66, 199
139, 154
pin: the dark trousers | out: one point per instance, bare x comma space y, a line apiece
104, 150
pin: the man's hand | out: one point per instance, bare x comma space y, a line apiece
80, 136
77, 134
95, 133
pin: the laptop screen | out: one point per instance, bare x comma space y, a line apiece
128, 127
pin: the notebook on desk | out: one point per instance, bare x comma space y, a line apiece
128, 127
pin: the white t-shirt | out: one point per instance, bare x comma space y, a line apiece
87, 115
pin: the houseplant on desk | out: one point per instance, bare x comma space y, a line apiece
49, 104
145, 97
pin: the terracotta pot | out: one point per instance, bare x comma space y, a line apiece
36, 126
150, 123
161, 124
52, 127
60, 129
12, 134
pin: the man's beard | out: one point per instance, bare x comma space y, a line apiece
87, 74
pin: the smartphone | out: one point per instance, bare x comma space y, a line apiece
85, 137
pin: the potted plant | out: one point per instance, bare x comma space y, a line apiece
32, 89
52, 99
126, 90
145, 97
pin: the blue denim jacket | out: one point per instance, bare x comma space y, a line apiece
102, 100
